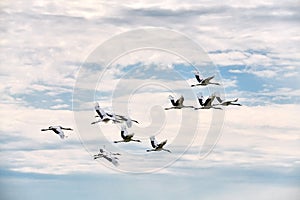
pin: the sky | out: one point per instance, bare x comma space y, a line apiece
58, 58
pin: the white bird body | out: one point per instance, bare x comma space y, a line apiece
157, 146
58, 130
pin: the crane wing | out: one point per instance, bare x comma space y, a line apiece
219, 99
121, 117
209, 101
61, 135
153, 142
124, 132
129, 122
208, 79
200, 98
114, 161
162, 143
179, 101
102, 114
198, 78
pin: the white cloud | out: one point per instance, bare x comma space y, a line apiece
59, 106
273, 140
71, 34
44, 43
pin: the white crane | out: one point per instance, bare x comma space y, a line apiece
203, 82
126, 136
178, 104
208, 102
227, 103
157, 146
104, 117
58, 130
109, 156
126, 119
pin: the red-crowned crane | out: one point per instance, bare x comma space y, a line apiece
178, 104
203, 82
58, 130
227, 103
109, 156
208, 102
106, 117
157, 146
126, 136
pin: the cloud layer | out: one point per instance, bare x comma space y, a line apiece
255, 45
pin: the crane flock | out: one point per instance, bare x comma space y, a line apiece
106, 117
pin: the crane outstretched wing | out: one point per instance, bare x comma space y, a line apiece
61, 135
219, 99
209, 101
198, 78
162, 143
179, 101
200, 98
153, 142
129, 122
124, 132
208, 79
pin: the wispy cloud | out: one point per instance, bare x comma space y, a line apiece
44, 46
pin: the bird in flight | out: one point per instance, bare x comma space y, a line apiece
203, 82
127, 120
208, 102
106, 117
58, 130
157, 146
227, 103
109, 156
126, 136
178, 104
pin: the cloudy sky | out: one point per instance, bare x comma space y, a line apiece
58, 58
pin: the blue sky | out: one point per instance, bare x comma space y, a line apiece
251, 47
